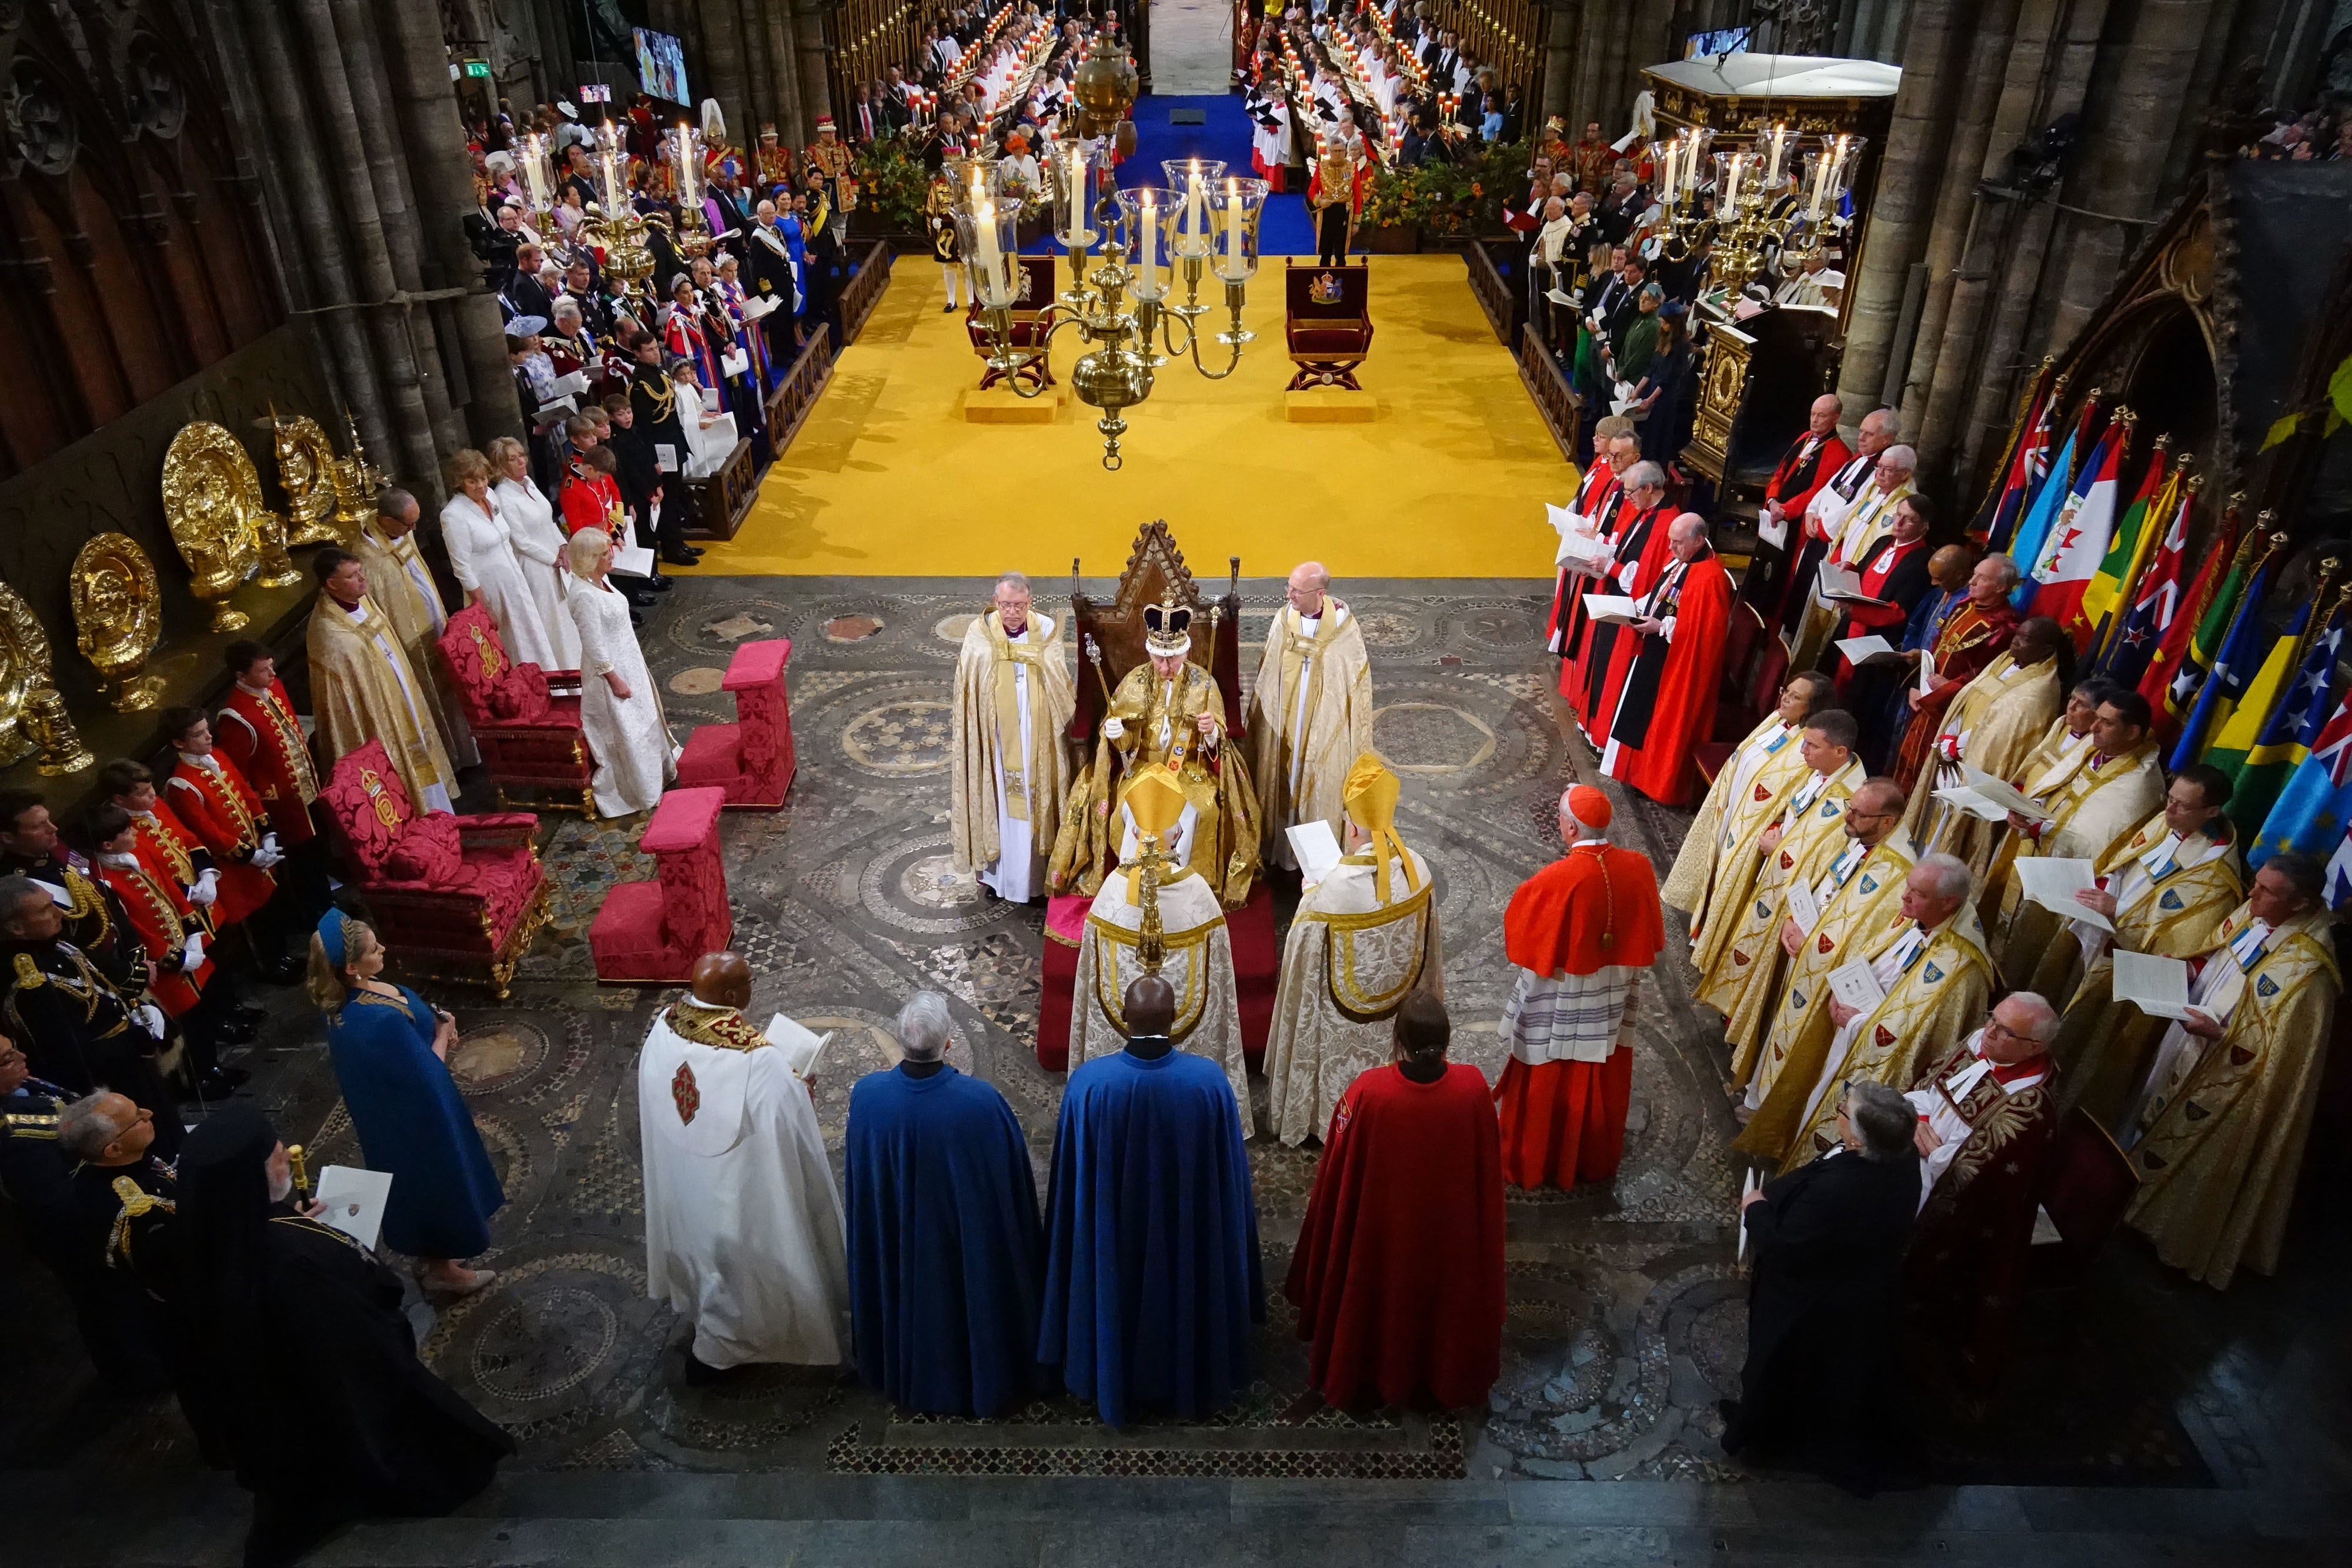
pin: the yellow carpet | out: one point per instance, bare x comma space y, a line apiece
887, 478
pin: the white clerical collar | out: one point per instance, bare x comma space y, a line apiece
1807, 793
2247, 947
691, 1000
356, 611
2164, 860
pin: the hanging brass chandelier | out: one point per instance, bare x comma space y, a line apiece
1779, 195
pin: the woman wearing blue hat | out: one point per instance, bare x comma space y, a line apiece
391, 1052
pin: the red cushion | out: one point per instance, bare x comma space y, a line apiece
520, 695
1348, 339
426, 852
369, 803
504, 880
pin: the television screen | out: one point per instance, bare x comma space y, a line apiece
661, 66
1722, 41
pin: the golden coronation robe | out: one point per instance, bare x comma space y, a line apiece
1310, 717
1160, 719
363, 687
2093, 805
1937, 983
1012, 771
1994, 722
1860, 895
2227, 1120
2171, 896
1199, 964
1350, 962
1739, 854
1742, 981
1770, 743
401, 586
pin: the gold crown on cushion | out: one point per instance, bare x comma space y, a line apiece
1168, 629
1370, 795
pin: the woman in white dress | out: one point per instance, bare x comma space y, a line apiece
620, 711
711, 436
538, 542
485, 566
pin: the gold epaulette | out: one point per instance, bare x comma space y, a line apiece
136, 1200
35, 1125
28, 974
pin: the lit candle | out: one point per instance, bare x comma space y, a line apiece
1081, 236
1233, 227
1150, 242
1829, 167
1779, 134
685, 166
1731, 184
1195, 199
1666, 183
991, 255
1690, 162
612, 185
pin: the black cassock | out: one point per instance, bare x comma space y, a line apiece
1821, 1384
313, 1392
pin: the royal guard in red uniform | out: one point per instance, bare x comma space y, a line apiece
211, 798
163, 844
259, 732
175, 938
591, 496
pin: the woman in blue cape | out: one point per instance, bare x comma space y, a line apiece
391, 1054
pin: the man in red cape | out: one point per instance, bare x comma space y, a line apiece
1803, 469
1651, 556
1640, 517
1398, 1274
1595, 501
1668, 703
1581, 932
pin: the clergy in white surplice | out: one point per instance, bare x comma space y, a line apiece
1013, 705
1310, 713
1365, 937
743, 1224
1197, 952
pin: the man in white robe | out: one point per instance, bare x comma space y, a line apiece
1364, 938
1197, 957
1012, 705
1311, 714
744, 1226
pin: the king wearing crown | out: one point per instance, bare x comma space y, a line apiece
1168, 712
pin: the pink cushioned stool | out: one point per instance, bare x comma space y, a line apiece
650, 933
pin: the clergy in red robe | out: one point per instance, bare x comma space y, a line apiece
213, 798
1989, 1115
1398, 1273
1571, 626
260, 732
1607, 682
1972, 636
1668, 706
1894, 574
1595, 499
1579, 932
1804, 468
1641, 515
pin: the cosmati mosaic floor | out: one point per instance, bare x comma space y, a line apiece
1627, 1320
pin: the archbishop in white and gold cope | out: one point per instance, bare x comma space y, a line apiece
1310, 713
1012, 770
1198, 961
1364, 938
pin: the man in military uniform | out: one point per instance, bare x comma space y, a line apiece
74, 1026
124, 1201
94, 921
771, 163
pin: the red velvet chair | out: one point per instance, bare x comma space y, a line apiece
1327, 323
752, 760
650, 933
526, 719
443, 891
1257, 969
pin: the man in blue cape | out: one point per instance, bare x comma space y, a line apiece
1151, 1271
946, 1258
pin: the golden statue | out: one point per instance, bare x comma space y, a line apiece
118, 616
211, 500
306, 471
32, 715
1167, 710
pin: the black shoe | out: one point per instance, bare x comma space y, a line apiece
217, 1084
242, 1031
659, 585
282, 971
949, 309
246, 1013
636, 621
702, 1375
686, 556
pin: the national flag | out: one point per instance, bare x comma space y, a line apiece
2156, 595
2110, 587
2077, 540
2029, 460
2053, 493
2186, 648
2315, 808
2244, 647
2284, 709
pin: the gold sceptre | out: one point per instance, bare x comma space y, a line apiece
1151, 945
294, 1158
1094, 657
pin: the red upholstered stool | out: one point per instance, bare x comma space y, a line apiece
1257, 966
650, 933
752, 760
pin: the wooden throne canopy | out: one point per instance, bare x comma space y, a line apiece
1155, 567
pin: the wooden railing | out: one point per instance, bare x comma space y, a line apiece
723, 499
1547, 384
1495, 296
857, 300
789, 404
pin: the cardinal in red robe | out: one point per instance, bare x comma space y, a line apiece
1668, 706
1579, 932
1639, 519
1398, 1274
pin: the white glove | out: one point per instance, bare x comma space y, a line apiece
207, 888
192, 953
149, 1016
266, 857
1113, 729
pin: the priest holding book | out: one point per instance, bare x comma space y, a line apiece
1667, 705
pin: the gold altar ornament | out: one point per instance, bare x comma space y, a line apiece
358, 482
212, 501
307, 473
118, 614
32, 715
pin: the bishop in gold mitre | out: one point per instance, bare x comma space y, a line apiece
1168, 711
1365, 937
1156, 814
1311, 714
1012, 772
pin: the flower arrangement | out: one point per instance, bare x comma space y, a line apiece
1459, 199
892, 181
